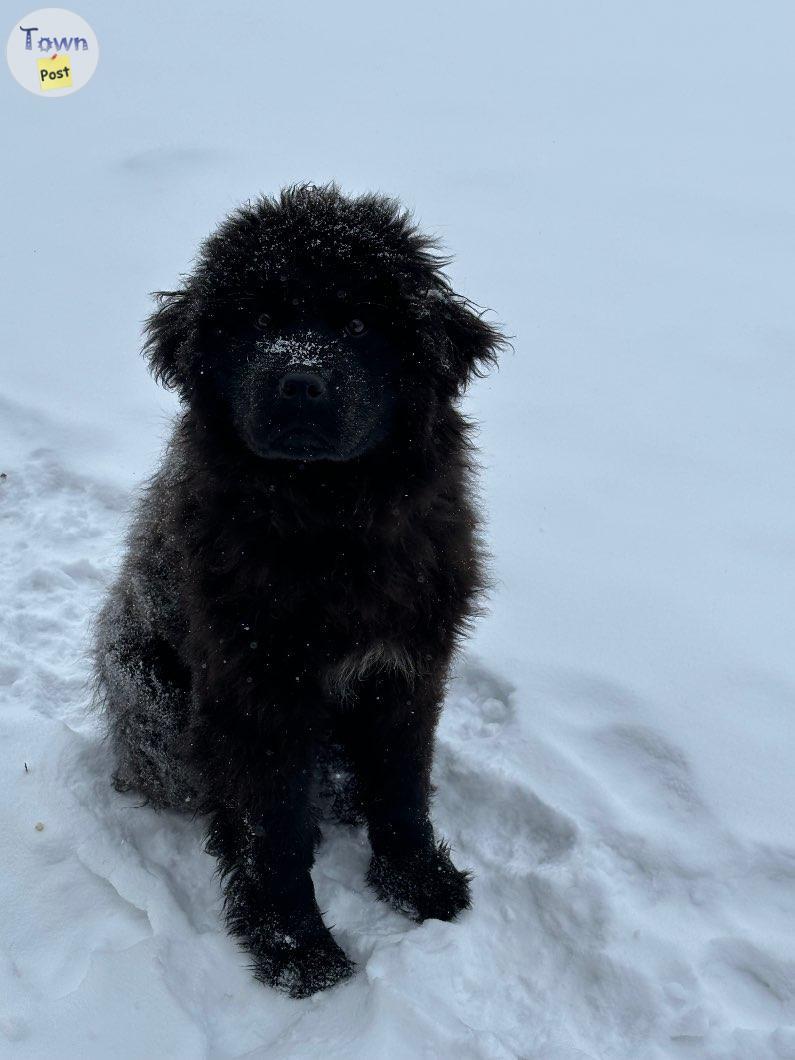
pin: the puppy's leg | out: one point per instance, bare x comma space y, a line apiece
262, 832
338, 795
390, 737
145, 692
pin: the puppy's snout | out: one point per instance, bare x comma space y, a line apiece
301, 386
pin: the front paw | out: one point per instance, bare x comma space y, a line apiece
424, 884
291, 948
297, 966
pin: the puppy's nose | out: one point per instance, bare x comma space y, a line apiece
301, 385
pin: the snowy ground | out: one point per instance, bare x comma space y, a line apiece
615, 761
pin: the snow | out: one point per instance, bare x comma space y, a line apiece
615, 757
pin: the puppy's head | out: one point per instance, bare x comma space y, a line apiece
317, 327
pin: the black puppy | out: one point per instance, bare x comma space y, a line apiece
305, 561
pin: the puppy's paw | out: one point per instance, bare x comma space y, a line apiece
423, 884
290, 947
302, 967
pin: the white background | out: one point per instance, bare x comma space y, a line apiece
616, 182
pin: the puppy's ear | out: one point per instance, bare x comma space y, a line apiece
167, 329
472, 343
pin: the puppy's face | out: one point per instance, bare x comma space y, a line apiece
304, 372
318, 327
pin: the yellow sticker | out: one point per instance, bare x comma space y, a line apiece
55, 72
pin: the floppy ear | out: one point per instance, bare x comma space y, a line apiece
167, 329
472, 344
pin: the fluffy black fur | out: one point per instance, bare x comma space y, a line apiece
303, 564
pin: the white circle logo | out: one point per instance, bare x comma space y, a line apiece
52, 52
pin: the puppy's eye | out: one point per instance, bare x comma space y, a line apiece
355, 327
264, 321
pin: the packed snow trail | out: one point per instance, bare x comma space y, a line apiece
613, 915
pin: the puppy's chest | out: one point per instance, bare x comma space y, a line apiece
342, 611
350, 586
